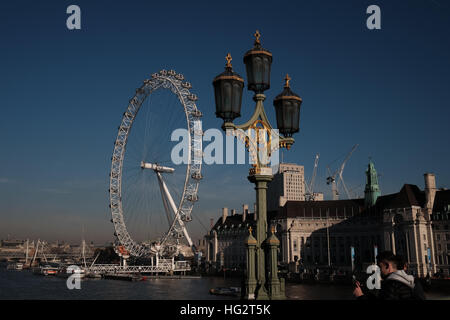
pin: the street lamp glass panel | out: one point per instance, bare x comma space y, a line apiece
288, 116
228, 88
287, 109
257, 64
237, 97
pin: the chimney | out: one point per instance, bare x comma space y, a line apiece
430, 190
211, 223
224, 214
254, 210
233, 212
244, 212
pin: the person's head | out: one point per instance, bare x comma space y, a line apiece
387, 262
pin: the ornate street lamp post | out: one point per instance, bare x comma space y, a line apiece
261, 140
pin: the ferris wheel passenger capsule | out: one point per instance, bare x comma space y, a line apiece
197, 176
197, 114
192, 197
192, 97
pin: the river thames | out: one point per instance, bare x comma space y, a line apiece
26, 285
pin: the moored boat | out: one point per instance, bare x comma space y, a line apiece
226, 291
15, 266
126, 277
67, 271
46, 270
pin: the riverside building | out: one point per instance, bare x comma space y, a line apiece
322, 233
412, 222
225, 247
288, 184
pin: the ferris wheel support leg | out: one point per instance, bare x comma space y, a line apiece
164, 199
174, 209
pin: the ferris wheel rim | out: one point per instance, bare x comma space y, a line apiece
173, 81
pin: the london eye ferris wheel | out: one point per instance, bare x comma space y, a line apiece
151, 196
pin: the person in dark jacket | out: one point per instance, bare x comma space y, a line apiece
418, 288
396, 284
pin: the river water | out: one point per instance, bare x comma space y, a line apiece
26, 285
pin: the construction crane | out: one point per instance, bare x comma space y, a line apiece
331, 179
309, 195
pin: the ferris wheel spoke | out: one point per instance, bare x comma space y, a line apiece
131, 207
155, 122
139, 201
142, 207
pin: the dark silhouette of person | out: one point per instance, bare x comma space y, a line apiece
396, 284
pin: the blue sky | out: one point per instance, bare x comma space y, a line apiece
62, 94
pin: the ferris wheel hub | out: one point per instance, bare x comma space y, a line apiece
155, 167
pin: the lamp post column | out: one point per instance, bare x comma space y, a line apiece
275, 286
250, 280
261, 180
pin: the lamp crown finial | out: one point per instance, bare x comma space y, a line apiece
272, 229
257, 36
250, 230
287, 79
228, 58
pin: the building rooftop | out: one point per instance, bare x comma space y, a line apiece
441, 202
409, 195
235, 220
318, 209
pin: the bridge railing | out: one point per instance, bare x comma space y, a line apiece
161, 267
